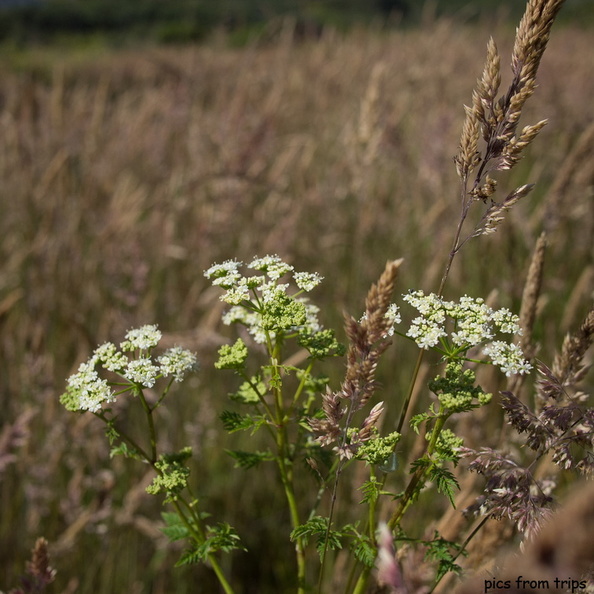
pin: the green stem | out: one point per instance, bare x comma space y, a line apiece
287, 480
462, 548
125, 437
284, 459
301, 385
339, 470
411, 389
165, 392
418, 478
361, 584
197, 530
151, 425
364, 576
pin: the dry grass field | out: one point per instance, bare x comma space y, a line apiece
125, 174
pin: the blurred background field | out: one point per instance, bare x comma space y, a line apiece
127, 171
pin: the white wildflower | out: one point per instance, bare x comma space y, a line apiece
229, 281
142, 371
425, 333
142, 338
430, 306
311, 316
227, 268
506, 321
273, 266
88, 388
270, 291
307, 280
176, 362
236, 314
237, 293
109, 357
393, 316
508, 357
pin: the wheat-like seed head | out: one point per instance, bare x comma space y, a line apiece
531, 294
568, 363
368, 339
499, 119
563, 549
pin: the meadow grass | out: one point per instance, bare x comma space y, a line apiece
125, 175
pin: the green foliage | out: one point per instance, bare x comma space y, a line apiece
250, 391
233, 421
372, 489
282, 313
43, 20
317, 527
416, 420
378, 449
179, 21
247, 460
445, 481
364, 550
174, 529
221, 537
123, 449
446, 446
445, 553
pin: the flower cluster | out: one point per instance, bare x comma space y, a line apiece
262, 303
87, 391
474, 323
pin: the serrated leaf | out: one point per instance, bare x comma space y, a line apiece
249, 459
334, 542
123, 449
314, 526
445, 481
174, 528
419, 464
364, 551
416, 420
233, 421
191, 557
371, 489
250, 392
222, 537
444, 552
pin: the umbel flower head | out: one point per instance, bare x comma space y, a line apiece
86, 390
459, 326
263, 303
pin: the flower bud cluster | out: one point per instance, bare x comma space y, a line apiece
86, 390
447, 446
456, 390
378, 450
